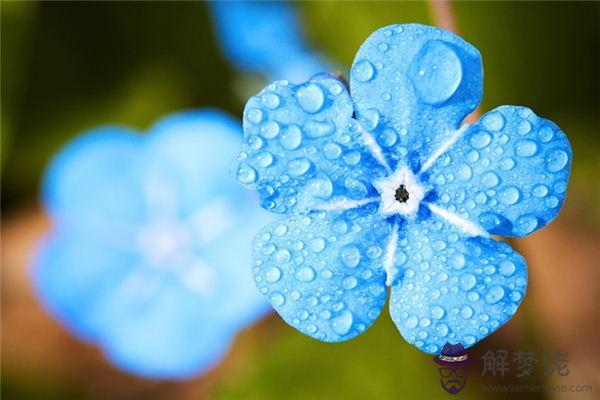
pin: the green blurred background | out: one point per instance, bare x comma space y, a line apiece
66, 67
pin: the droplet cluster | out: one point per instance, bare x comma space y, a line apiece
301, 147
322, 271
454, 289
508, 172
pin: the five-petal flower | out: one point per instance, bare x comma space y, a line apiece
387, 187
150, 251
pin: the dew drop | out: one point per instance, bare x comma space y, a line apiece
480, 139
363, 71
277, 299
526, 148
291, 137
556, 160
310, 97
349, 282
245, 173
282, 256
269, 129
317, 244
273, 275
510, 195
254, 115
466, 312
298, 166
270, 100
494, 294
490, 179
263, 159
305, 274
438, 312
467, 281
350, 256
320, 187
412, 322
317, 129
493, 121
507, 268
464, 172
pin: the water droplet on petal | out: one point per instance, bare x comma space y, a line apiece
269, 129
412, 322
245, 173
273, 275
466, 312
494, 294
342, 324
437, 312
556, 160
436, 72
317, 129
526, 148
270, 100
493, 121
254, 115
350, 256
310, 97
291, 137
298, 166
363, 71
467, 281
480, 139
507, 268
490, 179
510, 195
277, 299
305, 274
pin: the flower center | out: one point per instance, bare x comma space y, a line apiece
402, 194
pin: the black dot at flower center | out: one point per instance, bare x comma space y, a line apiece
402, 194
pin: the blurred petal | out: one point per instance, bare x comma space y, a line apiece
265, 37
453, 288
323, 272
412, 86
303, 151
508, 172
72, 274
93, 183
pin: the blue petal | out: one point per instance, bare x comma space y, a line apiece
453, 288
323, 272
71, 275
265, 37
413, 85
508, 172
171, 335
302, 149
190, 153
93, 182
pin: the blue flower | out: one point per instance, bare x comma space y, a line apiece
386, 188
150, 253
264, 37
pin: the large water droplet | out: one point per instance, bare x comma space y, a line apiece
263, 159
466, 312
437, 312
510, 195
342, 324
464, 172
331, 151
436, 72
282, 256
317, 129
494, 295
556, 160
480, 139
298, 166
490, 179
245, 173
350, 256
539, 191
493, 121
305, 274
254, 115
349, 282
363, 71
269, 129
270, 100
507, 268
320, 187
310, 97
467, 281
412, 322
273, 275
291, 137
276, 299
317, 244
526, 148
369, 119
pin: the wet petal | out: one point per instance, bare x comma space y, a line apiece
412, 86
302, 149
507, 173
453, 288
323, 272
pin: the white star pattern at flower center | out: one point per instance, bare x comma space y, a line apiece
404, 180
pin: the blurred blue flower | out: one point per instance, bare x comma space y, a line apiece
265, 37
386, 188
151, 246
